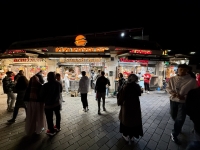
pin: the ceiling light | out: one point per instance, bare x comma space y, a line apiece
169, 50
122, 34
192, 52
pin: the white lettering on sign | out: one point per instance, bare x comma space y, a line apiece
28, 60
80, 60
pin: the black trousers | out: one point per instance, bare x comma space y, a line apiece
84, 100
49, 117
146, 86
15, 112
99, 96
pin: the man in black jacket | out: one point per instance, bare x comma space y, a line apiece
100, 89
50, 93
8, 86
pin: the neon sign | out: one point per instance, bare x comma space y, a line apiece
80, 50
80, 40
146, 52
135, 61
80, 59
14, 51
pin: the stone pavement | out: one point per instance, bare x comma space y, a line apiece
87, 130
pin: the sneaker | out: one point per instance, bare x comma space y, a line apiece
11, 120
50, 133
126, 138
175, 139
87, 109
147, 92
57, 130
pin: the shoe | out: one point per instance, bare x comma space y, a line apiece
87, 109
99, 112
56, 129
175, 139
50, 133
147, 92
126, 138
84, 109
104, 109
63, 101
11, 120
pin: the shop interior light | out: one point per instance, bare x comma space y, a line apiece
192, 52
169, 50
122, 34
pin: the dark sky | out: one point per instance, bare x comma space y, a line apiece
172, 24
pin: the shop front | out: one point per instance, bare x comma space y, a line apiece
72, 68
30, 66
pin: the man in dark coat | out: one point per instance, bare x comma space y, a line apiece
39, 75
100, 89
8, 86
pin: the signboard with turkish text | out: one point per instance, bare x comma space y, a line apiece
28, 60
62, 60
133, 61
80, 50
14, 51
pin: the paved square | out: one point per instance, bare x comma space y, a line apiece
87, 130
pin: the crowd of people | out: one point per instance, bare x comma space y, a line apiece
41, 99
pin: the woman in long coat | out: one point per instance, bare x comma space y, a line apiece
36, 121
130, 113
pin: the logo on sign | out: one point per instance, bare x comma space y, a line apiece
80, 40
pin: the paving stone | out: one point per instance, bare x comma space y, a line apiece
112, 142
162, 145
165, 138
94, 147
141, 144
159, 131
102, 141
151, 145
155, 137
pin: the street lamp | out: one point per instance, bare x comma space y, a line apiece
122, 34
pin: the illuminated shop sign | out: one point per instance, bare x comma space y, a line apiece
165, 52
80, 50
28, 60
62, 60
146, 52
14, 51
80, 40
134, 61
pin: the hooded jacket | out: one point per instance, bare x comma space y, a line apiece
8, 84
84, 85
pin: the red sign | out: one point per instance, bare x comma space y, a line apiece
146, 52
135, 61
14, 51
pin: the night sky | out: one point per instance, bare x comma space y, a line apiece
173, 25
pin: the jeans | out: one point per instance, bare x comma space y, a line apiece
107, 90
146, 86
84, 100
10, 99
49, 117
178, 114
99, 96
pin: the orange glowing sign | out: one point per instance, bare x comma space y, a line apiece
80, 40
80, 50
147, 52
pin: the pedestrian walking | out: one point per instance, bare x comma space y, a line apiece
50, 93
84, 89
178, 88
8, 87
130, 113
21, 86
100, 89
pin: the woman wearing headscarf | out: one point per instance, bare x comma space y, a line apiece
35, 122
130, 112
